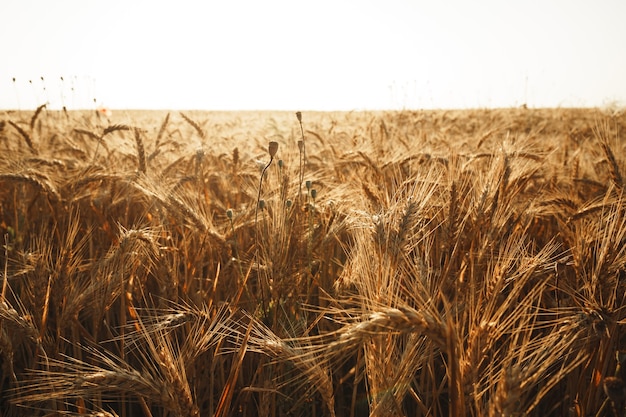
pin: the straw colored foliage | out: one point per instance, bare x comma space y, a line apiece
431, 263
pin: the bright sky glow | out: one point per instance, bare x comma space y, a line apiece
316, 55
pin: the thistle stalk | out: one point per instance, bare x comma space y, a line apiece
302, 148
272, 149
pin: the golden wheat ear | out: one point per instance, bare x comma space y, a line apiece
27, 138
194, 124
141, 152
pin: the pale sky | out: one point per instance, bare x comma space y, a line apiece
315, 55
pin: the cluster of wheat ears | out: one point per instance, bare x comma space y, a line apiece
385, 264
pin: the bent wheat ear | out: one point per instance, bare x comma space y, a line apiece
24, 135
114, 128
193, 124
33, 120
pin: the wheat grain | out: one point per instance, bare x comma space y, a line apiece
114, 128
400, 320
38, 180
141, 152
195, 125
429, 267
33, 119
25, 136
157, 141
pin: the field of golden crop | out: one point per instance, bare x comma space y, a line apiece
431, 263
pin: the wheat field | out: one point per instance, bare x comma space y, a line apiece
427, 263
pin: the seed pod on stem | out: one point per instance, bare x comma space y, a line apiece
272, 149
